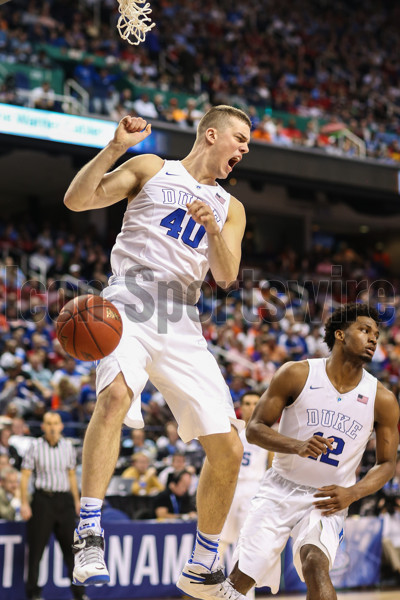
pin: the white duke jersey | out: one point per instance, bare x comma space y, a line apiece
320, 409
254, 461
158, 234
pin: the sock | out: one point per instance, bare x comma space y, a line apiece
205, 549
90, 515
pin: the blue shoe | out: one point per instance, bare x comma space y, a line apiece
89, 560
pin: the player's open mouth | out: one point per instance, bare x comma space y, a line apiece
370, 351
233, 161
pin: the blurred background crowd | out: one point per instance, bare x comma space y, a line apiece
318, 75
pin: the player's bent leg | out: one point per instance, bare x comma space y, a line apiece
202, 576
218, 479
100, 454
315, 566
102, 438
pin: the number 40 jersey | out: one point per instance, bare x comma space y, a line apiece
321, 410
158, 234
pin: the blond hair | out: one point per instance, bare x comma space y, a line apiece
220, 117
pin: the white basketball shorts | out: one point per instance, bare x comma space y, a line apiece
281, 509
167, 346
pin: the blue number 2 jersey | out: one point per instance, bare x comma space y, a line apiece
158, 233
321, 410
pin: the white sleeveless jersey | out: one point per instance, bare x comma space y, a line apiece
320, 409
158, 234
254, 461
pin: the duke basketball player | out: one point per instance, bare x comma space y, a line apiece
179, 222
328, 410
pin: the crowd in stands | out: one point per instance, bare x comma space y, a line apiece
336, 64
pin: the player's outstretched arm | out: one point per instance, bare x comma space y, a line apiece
285, 387
93, 187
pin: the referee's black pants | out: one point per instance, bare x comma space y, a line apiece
52, 512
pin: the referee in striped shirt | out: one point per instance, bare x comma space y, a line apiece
51, 460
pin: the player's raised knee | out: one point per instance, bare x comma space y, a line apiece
114, 400
230, 451
313, 562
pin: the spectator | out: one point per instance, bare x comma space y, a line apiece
237, 388
4, 461
38, 373
15, 387
145, 107
126, 101
71, 371
156, 416
20, 438
270, 350
10, 499
169, 443
192, 114
39, 334
293, 343
146, 482
316, 347
85, 74
265, 130
87, 396
8, 93
177, 114
105, 96
43, 97
137, 442
175, 501
12, 350
179, 463
40, 261
160, 106
254, 118
65, 402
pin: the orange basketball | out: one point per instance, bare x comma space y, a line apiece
89, 327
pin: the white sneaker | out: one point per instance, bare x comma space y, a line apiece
89, 560
198, 581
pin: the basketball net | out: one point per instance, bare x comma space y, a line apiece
134, 22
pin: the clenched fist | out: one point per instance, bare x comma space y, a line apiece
202, 213
131, 131
315, 446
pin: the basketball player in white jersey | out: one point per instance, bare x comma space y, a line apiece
328, 410
179, 222
252, 470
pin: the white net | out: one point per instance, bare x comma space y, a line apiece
134, 22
